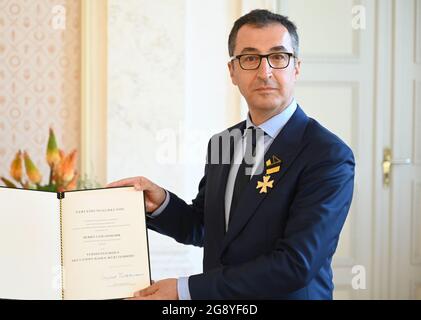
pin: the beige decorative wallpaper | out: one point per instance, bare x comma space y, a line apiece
40, 61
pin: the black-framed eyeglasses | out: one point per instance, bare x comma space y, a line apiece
276, 60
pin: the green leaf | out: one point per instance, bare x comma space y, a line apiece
8, 183
50, 188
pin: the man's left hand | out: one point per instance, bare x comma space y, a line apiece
161, 290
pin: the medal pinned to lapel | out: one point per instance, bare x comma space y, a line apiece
273, 165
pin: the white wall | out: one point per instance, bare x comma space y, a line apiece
212, 102
169, 91
146, 98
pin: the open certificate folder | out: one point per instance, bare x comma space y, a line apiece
89, 244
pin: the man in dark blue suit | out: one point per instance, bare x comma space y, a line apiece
276, 191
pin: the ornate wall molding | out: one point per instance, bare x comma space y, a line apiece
94, 21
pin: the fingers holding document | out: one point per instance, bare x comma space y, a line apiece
161, 290
154, 194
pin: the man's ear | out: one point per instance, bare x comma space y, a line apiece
297, 69
232, 72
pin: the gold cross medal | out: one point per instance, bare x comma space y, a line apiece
273, 166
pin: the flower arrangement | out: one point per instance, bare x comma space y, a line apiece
63, 173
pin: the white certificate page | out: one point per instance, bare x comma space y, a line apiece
105, 249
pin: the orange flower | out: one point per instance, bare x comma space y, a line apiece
73, 184
57, 171
66, 168
16, 167
53, 154
63, 175
31, 170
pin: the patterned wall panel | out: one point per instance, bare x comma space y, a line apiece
39, 77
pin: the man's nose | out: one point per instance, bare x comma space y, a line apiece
265, 70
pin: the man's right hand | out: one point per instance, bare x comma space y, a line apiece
154, 194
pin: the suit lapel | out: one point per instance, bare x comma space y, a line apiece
286, 147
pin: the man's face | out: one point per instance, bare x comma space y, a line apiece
266, 90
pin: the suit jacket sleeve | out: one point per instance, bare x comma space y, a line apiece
316, 217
